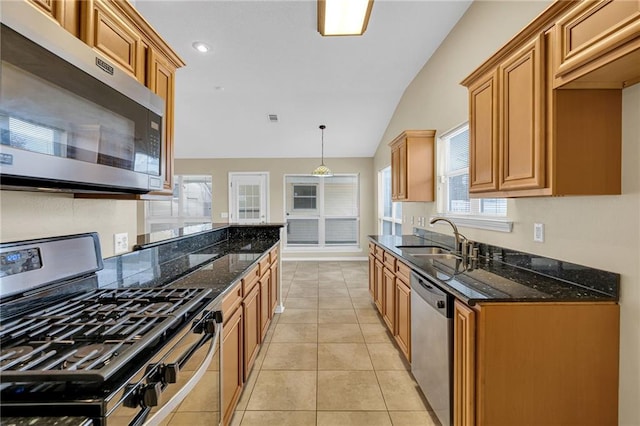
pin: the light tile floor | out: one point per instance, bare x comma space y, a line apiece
328, 359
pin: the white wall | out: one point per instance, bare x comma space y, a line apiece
26, 215
599, 231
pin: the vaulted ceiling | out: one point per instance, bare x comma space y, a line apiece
268, 58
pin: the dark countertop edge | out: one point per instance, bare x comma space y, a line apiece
217, 298
141, 244
473, 301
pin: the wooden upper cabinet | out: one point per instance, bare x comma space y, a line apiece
598, 44
161, 80
529, 138
483, 134
412, 166
521, 136
114, 35
66, 13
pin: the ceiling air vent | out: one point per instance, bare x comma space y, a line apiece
273, 118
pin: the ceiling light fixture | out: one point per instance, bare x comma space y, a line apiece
343, 17
201, 47
322, 170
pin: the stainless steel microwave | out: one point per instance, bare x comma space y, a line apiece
69, 119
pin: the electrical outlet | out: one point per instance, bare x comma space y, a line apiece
538, 232
224, 215
120, 243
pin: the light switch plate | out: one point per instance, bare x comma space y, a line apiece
120, 243
538, 232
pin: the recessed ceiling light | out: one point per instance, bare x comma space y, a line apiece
201, 47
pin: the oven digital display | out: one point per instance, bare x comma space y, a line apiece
18, 261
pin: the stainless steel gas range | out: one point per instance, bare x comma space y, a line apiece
125, 356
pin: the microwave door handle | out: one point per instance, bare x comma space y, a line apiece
173, 403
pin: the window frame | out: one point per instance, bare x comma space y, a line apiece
475, 218
180, 220
319, 214
395, 205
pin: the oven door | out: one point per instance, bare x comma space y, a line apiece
189, 365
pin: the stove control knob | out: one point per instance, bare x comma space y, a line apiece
171, 372
151, 395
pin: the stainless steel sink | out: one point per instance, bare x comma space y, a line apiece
424, 250
427, 251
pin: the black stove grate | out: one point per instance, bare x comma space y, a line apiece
88, 338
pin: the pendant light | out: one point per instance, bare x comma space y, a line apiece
322, 170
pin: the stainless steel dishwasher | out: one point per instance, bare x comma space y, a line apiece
432, 344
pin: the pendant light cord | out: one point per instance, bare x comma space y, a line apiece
322, 127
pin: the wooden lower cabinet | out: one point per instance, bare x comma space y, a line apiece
378, 284
265, 318
391, 292
388, 298
372, 276
464, 356
273, 287
536, 364
232, 364
403, 317
252, 332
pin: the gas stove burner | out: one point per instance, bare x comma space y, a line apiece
157, 307
15, 352
89, 352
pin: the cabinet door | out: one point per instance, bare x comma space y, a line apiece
388, 298
273, 289
65, 12
403, 317
372, 276
265, 284
161, 80
378, 285
114, 36
521, 136
399, 172
603, 30
232, 364
483, 135
251, 314
464, 357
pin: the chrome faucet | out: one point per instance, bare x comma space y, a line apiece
459, 237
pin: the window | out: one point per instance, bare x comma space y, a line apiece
453, 184
389, 213
305, 197
191, 204
322, 212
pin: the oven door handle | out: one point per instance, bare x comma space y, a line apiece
173, 403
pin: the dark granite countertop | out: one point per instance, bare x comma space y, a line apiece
505, 280
213, 259
172, 233
45, 421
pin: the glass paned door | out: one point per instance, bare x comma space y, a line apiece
248, 197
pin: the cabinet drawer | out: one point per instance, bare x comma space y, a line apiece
250, 280
264, 265
379, 252
273, 256
593, 29
372, 249
231, 302
403, 271
389, 262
